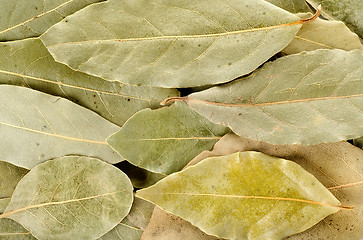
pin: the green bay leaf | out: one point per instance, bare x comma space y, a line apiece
307, 98
168, 43
245, 195
166, 139
30, 18
28, 63
71, 198
35, 127
320, 34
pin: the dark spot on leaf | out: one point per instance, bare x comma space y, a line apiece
38, 144
94, 95
128, 99
42, 155
199, 45
94, 102
239, 114
229, 64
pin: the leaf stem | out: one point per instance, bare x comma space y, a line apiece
312, 18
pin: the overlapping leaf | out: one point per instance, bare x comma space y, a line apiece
11, 230
123, 231
29, 18
305, 98
246, 195
165, 140
140, 213
320, 34
71, 198
169, 43
4, 203
294, 6
28, 63
35, 127
10, 175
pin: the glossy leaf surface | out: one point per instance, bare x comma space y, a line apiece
29, 18
71, 198
28, 63
168, 43
35, 127
306, 98
251, 194
166, 139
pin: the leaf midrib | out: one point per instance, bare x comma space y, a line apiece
7, 214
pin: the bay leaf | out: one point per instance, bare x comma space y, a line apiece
320, 34
28, 63
337, 165
358, 142
35, 127
123, 231
306, 98
140, 213
10, 175
350, 12
3, 204
293, 6
168, 43
29, 18
11, 230
71, 197
165, 140
245, 195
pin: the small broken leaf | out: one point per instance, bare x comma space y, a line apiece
30, 18
140, 213
306, 98
35, 127
320, 34
246, 195
167, 43
71, 198
166, 139
10, 175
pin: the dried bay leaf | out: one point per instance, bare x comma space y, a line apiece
3, 204
293, 6
347, 11
168, 43
35, 127
320, 34
10, 175
166, 139
71, 198
245, 195
123, 231
29, 18
11, 230
140, 213
28, 63
306, 98
337, 165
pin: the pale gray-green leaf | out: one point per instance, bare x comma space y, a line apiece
35, 127
123, 231
166, 139
11, 230
320, 34
305, 98
28, 63
29, 18
168, 43
71, 198
140, 213
294, 6
348, 11
245, 195
10, 175
4, 203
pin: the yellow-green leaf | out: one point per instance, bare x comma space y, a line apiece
11, 230
246, 195
168, 43
71, 198
10, 175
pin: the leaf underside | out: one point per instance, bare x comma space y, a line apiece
168, 43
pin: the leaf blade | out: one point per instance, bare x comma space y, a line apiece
167, 56
225, 207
